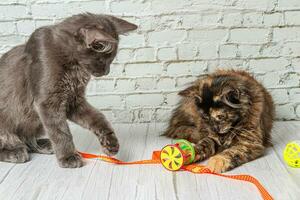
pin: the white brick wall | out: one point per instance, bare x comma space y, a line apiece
177, 41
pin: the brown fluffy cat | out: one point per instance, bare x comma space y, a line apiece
228, 115
42, 84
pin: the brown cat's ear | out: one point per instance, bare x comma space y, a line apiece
191, 91
95, 35
121, 25
231, 97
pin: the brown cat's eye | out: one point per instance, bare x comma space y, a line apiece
102, 47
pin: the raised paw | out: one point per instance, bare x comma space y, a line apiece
71, 161
19, 155
110, 144
218, 164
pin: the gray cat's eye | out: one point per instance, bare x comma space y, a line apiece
101, 47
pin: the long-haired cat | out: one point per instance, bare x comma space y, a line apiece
228, 115
42, 84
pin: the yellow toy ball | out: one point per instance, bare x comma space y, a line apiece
291, 154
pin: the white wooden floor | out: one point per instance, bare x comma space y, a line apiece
43, 179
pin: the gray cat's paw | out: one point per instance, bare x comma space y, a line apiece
44, 146
71, 161
19, 155
110, 144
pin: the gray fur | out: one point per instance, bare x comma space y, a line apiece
42, 84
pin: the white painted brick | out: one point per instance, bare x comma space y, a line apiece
140, 100
291, 49
264, 5
183, 82
116, 70
39, 23
166, 83
207, 36
286, 34
290, 4
298, 111
124, 55
292, 18
229, 64
169, 6
135, 7
280, 96
163, 115
124, 116
285, 111
7, 28
249, 51
125, 85
228, 51
253, 19
172, 99
166, 54
187, 51
182, 68
105, 102
207, 51
144, 54
13, 12
280, 79
232, 19
104, 85
166, 37
268, 65
294, 95
143, 69
249, 35
25, 27
273, 19
271, 50
132, 40
191, 21
11, 40
144, 115
145, 83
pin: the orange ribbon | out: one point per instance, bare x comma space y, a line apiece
193, 168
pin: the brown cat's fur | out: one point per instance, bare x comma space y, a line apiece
228, 115
42, 84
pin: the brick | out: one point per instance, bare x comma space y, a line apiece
104, 85
207, 51
124, 55
134, 7
172, 99
7, 28
144, 115
13, 12
187, 51
253, 19
144, 54
25, 27
286, 112
232, 19
291, 49
280, 79
263, 5
290, 4
183, 82
143, 69
292, 18
298, 111
107, 101
249, 51
286, 34
294, 95
115, 70
175, 69
125, 85
273, 19
191, 21
140, 100
249, 35
163, 115
268, 65
166, 83
165, 37
159, 6
166, 54
124, 116
145, 83
280, 96
207, 36
132, 40
228, 51
271, 50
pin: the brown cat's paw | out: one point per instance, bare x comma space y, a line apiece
109, 144
218, 164
71, 161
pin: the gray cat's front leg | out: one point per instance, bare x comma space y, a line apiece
88, 117
55, 124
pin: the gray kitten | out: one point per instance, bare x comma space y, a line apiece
42, 84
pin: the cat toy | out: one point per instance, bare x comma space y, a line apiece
174, 156
291, 154
180, 157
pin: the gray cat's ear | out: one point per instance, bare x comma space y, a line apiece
121, 25
91, 36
